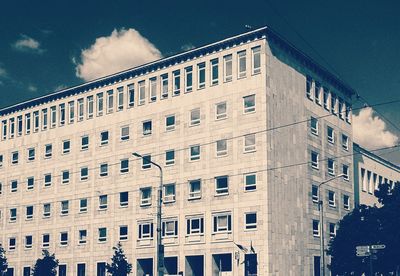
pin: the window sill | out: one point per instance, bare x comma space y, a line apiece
249, 151
194, 198
221, 194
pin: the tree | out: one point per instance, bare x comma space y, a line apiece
119, 264
45, 266
3, 261
367, 225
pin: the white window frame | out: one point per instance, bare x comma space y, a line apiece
228, 68
164, 79
249, 143
45, 244
83, 209
252, 186
104, 141
103, 202
110, 101
131, 95
195, 231
249, 107
331, 201
64, 207
100, 103
142, 92
147, 131
90, 106
48, 151
345, 172
103, 169
66, 149
188, 79
141, 234
314, 164
314, 197
168, 196
221, 148
48, 179
176, 78
223, 115
248, 225
153, 89
166, 232
123, 168
241, 60
314, 128
195, 194
193, 156
84, 146
120, 98
256, 54
214, 71
29, 216
14, 186
330, 134
61, 108
332, 234
145, 201
83, 176
65, 180
315, 231
345, 142
346, 205
124, 133
81, 109
102, 234
71, 112
169, 162
124, 203
123, 237
201, 73
63, 242
13, 214
170, 127
221, 191
82, 236
195, 120
46, 213
331, 169
30, 183
222, 228
44, 120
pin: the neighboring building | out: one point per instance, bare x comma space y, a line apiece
370, 170
245, 129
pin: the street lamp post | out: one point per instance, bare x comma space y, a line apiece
321, 223
160, 247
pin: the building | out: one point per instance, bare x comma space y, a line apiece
245, 129
369, 171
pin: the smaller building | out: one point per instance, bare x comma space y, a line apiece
369, 171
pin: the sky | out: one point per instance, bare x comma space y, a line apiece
46, 45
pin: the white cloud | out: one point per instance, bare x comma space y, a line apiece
26, 43
121, 50
32, 88
3, 72
187, 47
370, 131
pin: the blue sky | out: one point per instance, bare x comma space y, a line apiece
42, 42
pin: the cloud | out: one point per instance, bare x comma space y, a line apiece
60, 87
187, 47
27, 44
3, 72
370, 131
121, 50
32, 88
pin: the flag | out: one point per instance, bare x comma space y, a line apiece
252, 248
241, 247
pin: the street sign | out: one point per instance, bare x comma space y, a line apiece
363, 254
378, 246
362, 247
362, 251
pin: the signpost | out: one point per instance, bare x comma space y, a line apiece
369, 251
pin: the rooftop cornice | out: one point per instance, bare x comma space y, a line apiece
249, 36
363, 151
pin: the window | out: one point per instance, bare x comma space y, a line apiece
103, 169
201, 75
64, 207
221, 185
4, 128
249, 143
123, 199
220, 111
146, 162
189, 79
35, 122
147, 128
101, 269
315, 228
227, 68
28, 242
102, 202
62, 114
222, 149
124, 133
241, 64
345, 142
153, 89
27, 271
30, 183
12, 125
169, 157
64, 238
249, 104
194, 189
177, 82
104, 138
84, 142
341, 109
314, 126
317, 92
13, 214
100, 104
145, 230
71, 108
80, 109
66, 146
214, 71
45, 240
81, 269
14, 157
332, 230
170, 123
170, 228
89, 106
333, 104
1, 160
194, 152
44, 119
82, 239
83, 205
326, 98
102, 234
131, 95
222, 223
123, 233
195, 117
314, 160
46, 210
331, 199
256, 58
120, 98
169, 193
314, 194
48, 151
345, 172
12, 243
194, 225
84, 173
65, 177
348, 113
27, 125
145, 196
346, 202
124, 166
31, 154
251, 221
142, 92
14, 186
164, 86
331, 135
250, 182
29, 212
47, 179
331, 167
110, 101
19, 124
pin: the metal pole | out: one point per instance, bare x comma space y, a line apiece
371, 271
